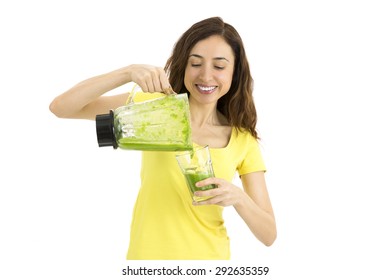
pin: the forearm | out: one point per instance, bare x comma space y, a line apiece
71, 103
252, 203
260, 222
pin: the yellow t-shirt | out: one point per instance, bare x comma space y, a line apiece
165, 224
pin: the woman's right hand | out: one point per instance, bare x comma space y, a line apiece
150, 78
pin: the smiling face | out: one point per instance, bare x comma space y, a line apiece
209, 70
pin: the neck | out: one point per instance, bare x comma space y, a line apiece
203, 115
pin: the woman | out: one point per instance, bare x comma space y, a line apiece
209, 63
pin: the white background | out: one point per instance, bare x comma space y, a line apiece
321, 71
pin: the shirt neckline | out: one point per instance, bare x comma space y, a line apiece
220, 148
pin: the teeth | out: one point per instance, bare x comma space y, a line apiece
206, 88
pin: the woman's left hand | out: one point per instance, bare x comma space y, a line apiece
226, 194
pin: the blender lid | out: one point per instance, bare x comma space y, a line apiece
105, 130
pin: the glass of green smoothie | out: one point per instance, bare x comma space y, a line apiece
196, 165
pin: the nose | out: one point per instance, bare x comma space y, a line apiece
205, 73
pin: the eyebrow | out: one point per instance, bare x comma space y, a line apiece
215, 58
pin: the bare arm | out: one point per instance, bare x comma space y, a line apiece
252, 204
255, 208
85, 100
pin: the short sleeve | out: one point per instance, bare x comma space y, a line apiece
252, 160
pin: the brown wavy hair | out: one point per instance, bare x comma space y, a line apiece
237, 104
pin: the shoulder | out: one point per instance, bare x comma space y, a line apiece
243, 136
243, 143
248, 152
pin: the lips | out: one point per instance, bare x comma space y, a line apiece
206, 89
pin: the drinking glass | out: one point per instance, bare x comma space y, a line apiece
196, 165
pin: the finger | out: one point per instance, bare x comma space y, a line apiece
164, 82
217, 200
199, 203
168, 91
209, 181
144, 86
212, 192
202, 193
155, 78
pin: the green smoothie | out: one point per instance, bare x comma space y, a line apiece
161, 124
192, 178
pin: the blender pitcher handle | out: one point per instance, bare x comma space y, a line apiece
132, 93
